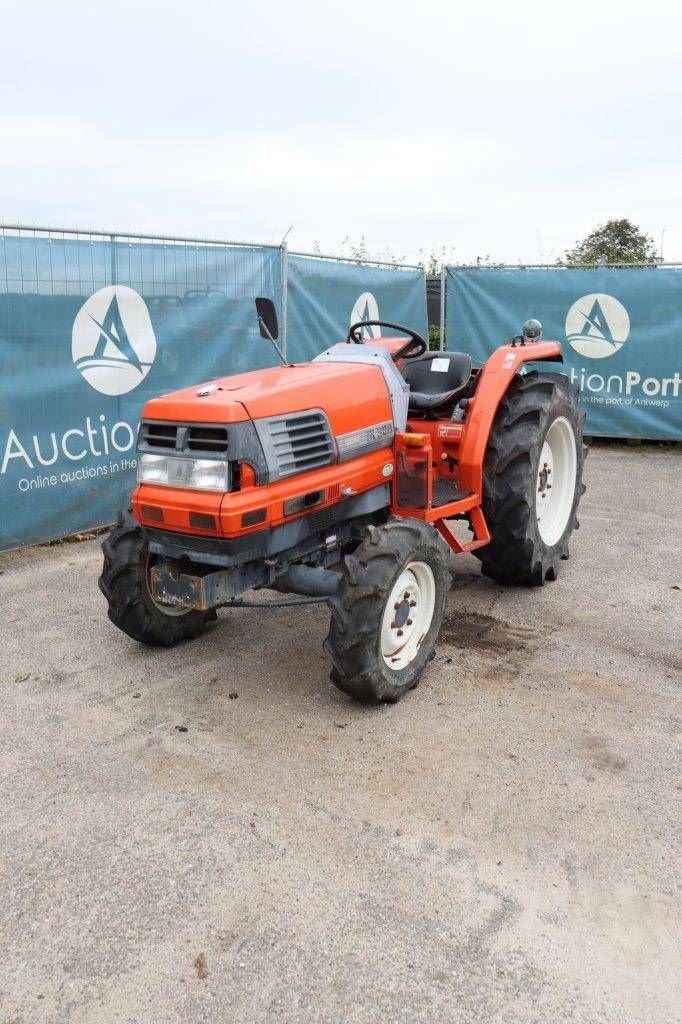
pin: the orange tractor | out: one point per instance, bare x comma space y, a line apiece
337, 480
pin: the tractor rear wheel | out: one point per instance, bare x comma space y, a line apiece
125, 584
533, 479
388, 612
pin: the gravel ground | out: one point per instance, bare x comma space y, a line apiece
214, 833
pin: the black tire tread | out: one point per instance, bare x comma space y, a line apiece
515, 553
353, 643
123, 583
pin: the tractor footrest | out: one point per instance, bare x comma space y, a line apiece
444, 491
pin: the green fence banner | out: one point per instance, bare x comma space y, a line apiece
620, 329
325, 296
89, 330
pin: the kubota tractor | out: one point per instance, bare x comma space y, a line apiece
337, 480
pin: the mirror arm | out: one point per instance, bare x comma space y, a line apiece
276, 347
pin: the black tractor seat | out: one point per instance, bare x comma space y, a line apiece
436, 378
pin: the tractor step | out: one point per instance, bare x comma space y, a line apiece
445, 491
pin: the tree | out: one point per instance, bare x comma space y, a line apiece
617, 241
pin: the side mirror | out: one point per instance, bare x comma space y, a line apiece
267, 318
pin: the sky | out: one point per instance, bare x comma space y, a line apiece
506, 130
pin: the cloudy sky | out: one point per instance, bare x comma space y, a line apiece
500, 129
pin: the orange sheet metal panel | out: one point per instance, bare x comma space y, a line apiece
186, 407
495, 378
445, 438
356, 475
176, 503
353, 395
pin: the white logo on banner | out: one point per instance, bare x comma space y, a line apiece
113, 344
366, 308
597, 325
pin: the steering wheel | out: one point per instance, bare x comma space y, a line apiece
414, 347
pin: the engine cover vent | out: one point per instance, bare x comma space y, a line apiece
158, 435
208, 439
297, 443
202, 439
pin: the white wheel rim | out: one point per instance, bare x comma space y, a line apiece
555, 485
167, 609
408, 615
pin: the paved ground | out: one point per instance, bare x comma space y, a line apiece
215, 834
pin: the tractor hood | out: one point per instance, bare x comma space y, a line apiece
351, 395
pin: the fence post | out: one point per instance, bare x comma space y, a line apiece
285, 288
443, 276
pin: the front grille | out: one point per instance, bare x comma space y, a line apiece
183, 438
322, 520
301, 442
211, 440
159, 435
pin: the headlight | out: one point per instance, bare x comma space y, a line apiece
172, 471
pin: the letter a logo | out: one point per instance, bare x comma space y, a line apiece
113, 341
366, 308
597, 326
113, 344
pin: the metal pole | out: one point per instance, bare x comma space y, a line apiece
443, 275
285, 293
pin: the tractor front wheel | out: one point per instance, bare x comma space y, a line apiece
388, 612
533, 479
125, 584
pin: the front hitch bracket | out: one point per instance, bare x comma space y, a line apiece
170, 585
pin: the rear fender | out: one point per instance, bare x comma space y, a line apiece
493, 384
